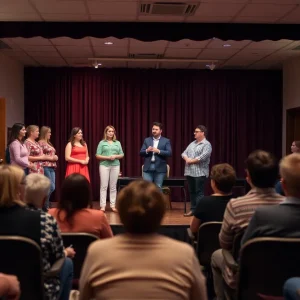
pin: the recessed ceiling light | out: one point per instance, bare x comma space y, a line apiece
99, 64
226, 45
108, 43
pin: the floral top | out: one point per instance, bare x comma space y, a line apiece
48, 150
34, 149
52, 250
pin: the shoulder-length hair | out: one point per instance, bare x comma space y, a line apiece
105, 133
10, 179
15, 131
75, 195
43, 133
74, 131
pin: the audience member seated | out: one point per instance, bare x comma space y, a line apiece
9, 287
261, 174
291, 289
75, 213
36, 192
141, 263
280, 220
295, 148
211, 208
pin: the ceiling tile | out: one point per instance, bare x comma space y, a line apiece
38, 48
110, 51
114, 64
267, 44
66, 41
65, 17
255, 52
34, 41
147, 47
202, 65
188, 44
277, 1
218, 9
265, 10
13, 6
292, 17
142, 64
73, 51
256, 19
43, 54
217, 53
116, 42
60, 7
182, 53
112, 8
225, 1
28, 61
13, 52
19, 17
209, 19
113, 18
51, 61
219, 44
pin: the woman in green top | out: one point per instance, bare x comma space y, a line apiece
109, 151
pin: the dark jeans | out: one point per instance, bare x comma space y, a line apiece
196, 190
66, 277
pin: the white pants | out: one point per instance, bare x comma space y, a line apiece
108, 174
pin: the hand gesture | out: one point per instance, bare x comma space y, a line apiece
13, 292
150, 149
55, 158
155, 150
70, 252
112, 157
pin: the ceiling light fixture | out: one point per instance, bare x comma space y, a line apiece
108, 43
96, 64
226, 45
211, 66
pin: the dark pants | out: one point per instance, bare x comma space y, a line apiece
196, 190
66, 277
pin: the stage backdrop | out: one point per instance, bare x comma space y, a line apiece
241, 109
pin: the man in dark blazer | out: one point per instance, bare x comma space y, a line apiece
156, 149
280, 220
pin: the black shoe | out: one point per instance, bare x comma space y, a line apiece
189, 214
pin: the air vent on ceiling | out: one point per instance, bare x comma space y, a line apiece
296, 48
3, 45
168, 8
145, 55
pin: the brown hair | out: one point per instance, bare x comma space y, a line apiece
203, 129
290, 172
10, 179
74, 131
105, 133
75, 195
297, 143
141, 207
224, 177
43, 133
158, 124
263, 169
30, 129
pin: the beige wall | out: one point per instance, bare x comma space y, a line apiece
291, 91
12, 89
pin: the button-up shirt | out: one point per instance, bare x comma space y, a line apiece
155, 145
201, 151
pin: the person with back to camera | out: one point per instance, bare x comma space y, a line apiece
141, 264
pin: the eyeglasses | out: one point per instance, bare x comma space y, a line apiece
196, 131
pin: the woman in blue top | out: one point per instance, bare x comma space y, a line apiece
109, 152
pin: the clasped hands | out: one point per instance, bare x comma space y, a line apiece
152, 149
86, 161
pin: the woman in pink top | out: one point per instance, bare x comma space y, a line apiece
36, 155
17, 150
74, 213
49, 166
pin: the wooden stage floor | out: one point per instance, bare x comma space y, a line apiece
172, 217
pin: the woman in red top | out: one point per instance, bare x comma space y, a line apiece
77, 155
75, 213
49, 166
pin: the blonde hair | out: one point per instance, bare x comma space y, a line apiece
36, 189
10, 179
290, 172
43, 133
105, 133
30, 129
141, 207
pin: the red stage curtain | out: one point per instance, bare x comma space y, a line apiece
241, 109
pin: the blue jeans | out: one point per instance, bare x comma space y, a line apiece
278, 188
153, 176
196, 190
49, 173
66, 277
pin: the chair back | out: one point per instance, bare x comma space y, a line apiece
208, 241
265, 264
80, 242
237, 245
22, 257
